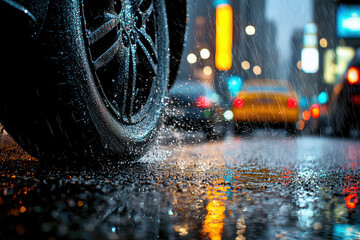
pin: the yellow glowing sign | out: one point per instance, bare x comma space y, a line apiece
224, 35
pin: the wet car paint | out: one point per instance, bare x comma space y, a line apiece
297, 188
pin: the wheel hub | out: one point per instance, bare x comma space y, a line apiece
123, 48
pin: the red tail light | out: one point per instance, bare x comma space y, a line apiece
315, 111
291, 102
203, 102
353, 75
356, 99
238, 103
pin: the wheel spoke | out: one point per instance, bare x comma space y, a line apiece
108, 55
150, 62
123, 41
136, 4
121, 88
142, 6
147, 12
105, 28
132, 78
149, 45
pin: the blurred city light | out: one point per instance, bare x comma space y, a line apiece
323, 43
228, 115
348, 21
323, 97
306, 115
207, 70
304, 102
245, 65
200, 20
203, 102
234, 85
315, 110
191, 58
344, 55
257, 70
310, 28
238, 102
291, 103
353, 75
329, 66
218, 2
250, 30
204, 53
300, 125
214, 97
310, 53
310, 60
310, 40
224, 34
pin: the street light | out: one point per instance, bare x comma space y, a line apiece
207, 70
245, 65
323, 43
204, 53
191, 58
250, 30
257, 70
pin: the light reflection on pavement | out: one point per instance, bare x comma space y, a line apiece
262, 187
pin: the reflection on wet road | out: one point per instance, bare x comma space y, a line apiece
266, 186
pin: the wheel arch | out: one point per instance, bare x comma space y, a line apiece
28, 15
177, 12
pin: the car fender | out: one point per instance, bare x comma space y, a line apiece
177, 13
27, 15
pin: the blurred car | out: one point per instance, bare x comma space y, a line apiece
343, 109
266, 101
316, 119
194, 106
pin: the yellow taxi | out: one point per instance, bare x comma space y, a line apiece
266, 101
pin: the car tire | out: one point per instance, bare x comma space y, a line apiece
340, 129
215, 131
291, 130
339, 120
243, 129
91, 84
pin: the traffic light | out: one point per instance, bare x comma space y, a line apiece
224, 37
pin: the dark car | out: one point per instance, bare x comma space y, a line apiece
343, 110
88, 79
195, 106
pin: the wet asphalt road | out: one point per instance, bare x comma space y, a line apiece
264, 186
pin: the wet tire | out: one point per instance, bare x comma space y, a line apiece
341, 129
91, 84
339, 121
243, 129
291, 130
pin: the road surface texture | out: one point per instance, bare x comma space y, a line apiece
263, 186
